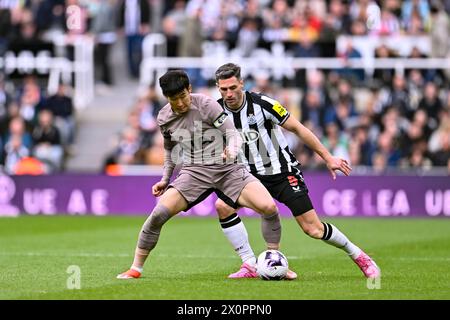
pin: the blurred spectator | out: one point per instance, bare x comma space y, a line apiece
14, 151
344, 91
392, 122
379, 162
416, 54
337, 21
147, 110
350, 52
413, 135
126, 151
389, 24
366, 147
104, 26
418, 156
422, 119
30, 101
387, 147
338, 17
440, 32
358, 28
17, 129
278, 16
431, 101
336, 143
134, 19
415, 87
415, 9
354, 154
174, 24
190, 37
343, 114
248, 37
313, 109
439, 143
47, 141
399, 97
62, 108
155, 156
359, 8
305, 48
50, 18
384, 76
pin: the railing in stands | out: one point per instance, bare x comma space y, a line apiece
60, 69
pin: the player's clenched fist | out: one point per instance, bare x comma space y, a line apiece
158, 188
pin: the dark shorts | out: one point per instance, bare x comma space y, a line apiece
288, 188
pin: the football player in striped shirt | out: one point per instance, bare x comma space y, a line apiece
267, 156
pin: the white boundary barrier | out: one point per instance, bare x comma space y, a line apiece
276, 62
59, 69
161, 64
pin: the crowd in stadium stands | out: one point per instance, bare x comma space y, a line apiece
386, 119
37, 130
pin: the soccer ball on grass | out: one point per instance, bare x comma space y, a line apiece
272, 265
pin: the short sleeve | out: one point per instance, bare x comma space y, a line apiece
215, 115
274, 110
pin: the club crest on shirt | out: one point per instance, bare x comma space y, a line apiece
220, 120
251, 119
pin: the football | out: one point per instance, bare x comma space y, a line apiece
272, 265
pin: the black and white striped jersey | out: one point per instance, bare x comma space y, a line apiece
265, 149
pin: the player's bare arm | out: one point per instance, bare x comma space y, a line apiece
333, 163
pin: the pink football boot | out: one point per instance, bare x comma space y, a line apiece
246, 271
290, 275
367, 265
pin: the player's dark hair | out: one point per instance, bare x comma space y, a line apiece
173, 82
227, 71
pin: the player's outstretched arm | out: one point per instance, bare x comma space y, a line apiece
333, 163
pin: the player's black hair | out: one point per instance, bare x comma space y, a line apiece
173, 82
227, 71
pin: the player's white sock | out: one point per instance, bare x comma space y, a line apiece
236, 233
335, 237
138, 269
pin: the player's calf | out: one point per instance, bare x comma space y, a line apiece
151, 229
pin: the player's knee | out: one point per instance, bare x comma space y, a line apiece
159, 216
313, 231
223, 210
268, 208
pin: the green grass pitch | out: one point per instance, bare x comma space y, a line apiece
193, 258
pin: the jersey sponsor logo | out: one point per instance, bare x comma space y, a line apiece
279, 109
293, 181
220, 120
250, 136
251, 119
